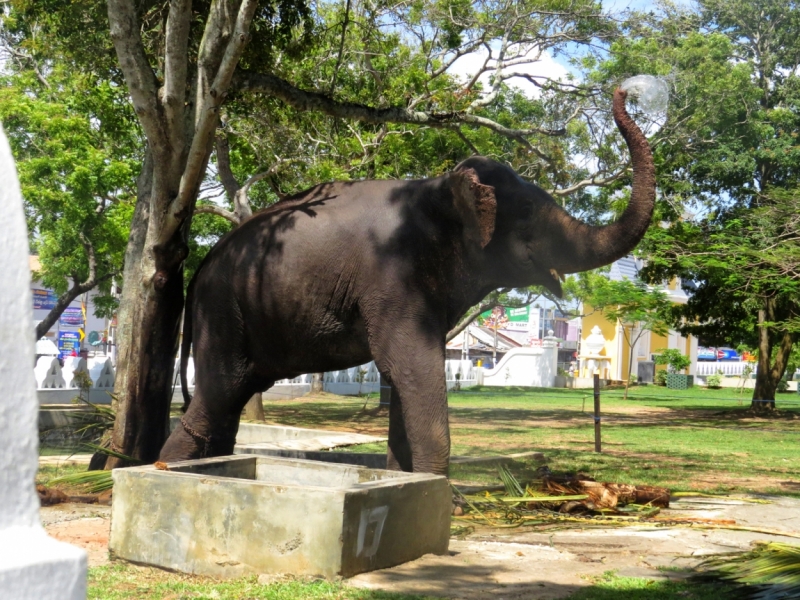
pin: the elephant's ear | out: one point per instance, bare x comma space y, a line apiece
476, 202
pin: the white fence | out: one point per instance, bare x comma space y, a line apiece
355, 381
733, 368
58, 385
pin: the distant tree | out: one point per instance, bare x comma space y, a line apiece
727, 163
76, 145
633, 305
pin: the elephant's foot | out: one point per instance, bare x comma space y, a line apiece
186, 443
402, 461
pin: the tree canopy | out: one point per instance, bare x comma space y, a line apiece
727, 163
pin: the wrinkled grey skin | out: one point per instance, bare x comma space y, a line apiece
348, 272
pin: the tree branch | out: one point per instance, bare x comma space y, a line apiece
175, 67
314, 101
345, 22
224, 166
125, 29
207, 118
213, 209
65, 299
594, 181
469, 318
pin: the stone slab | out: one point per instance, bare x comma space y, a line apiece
234, 515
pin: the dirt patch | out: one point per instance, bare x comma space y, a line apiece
85, 526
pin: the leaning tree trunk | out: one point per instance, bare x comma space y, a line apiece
178, 108
149, 322
254, 409
317, 384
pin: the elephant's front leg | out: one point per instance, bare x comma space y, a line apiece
419, 432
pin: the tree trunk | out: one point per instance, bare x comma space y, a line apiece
764, 392
254, 409
317, 385
147, 355
149, 324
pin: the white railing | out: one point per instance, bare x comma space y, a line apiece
732, 368
57, 384
50, 375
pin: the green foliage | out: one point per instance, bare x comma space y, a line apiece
726, 163
770, 571
76, 145
714, 381
624, 301
660, 377
675, 361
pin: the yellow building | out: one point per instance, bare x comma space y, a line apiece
614, 356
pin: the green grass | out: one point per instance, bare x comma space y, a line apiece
122, 581
610, 586
697, 439
47, 473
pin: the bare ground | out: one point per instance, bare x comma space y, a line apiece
520, 563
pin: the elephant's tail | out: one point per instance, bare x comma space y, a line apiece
186, 345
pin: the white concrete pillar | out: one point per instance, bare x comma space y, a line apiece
33, 566
693, 355
549, 359
620, 333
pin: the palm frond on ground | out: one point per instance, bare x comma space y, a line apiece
771, 571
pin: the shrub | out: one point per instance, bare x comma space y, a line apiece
675, 361
660, 378
783, 385
714, 381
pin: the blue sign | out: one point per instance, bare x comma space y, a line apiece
71, 317
69, 343
44, 299
706, 354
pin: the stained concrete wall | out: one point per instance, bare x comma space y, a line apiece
229, 516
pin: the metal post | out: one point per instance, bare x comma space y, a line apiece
597, 447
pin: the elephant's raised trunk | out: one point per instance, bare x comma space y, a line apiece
586, 247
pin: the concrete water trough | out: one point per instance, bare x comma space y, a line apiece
234, 515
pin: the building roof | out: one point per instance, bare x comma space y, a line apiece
484, 336
626, 267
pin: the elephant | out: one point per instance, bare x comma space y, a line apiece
346, 272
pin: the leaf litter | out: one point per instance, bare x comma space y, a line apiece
563, 501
